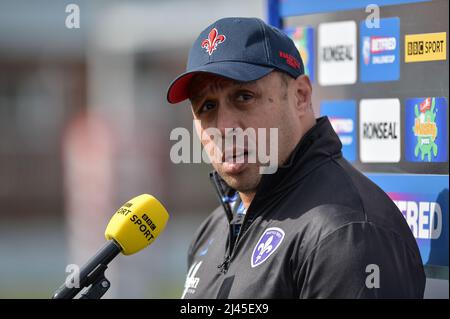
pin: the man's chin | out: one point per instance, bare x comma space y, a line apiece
233, 169
242, 179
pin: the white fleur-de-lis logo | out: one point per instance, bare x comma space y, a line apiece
264, 248
269, 241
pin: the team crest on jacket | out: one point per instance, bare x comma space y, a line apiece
213, 40
266, 246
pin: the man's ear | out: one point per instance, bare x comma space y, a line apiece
303, 92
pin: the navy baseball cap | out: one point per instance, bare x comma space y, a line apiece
241, 49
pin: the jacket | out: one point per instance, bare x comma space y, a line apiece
317, 228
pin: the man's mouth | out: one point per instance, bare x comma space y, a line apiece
233, 162
234, 156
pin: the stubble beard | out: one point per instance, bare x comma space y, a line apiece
246, 181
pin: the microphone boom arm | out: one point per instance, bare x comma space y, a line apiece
93, 273
100, 284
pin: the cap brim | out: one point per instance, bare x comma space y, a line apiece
238, 71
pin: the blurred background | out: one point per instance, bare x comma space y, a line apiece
84, 126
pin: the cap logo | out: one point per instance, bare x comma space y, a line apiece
214, 38
290, 60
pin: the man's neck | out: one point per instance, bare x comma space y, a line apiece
247, 198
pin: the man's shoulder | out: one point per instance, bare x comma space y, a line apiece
327, 228
336, 198
320, 221
340, 190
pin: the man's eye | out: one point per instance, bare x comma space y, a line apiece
207, 106
244, 97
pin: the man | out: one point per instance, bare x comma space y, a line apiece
315, 228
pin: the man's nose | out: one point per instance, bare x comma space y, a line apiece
227, 118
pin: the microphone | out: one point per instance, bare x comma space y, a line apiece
133, 227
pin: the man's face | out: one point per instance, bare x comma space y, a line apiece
224, 104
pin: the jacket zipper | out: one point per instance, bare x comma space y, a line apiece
223, 198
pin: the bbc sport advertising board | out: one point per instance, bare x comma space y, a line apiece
383, 69
385, 90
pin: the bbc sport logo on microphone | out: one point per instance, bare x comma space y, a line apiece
136, 224
133, 227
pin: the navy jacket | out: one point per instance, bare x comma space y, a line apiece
317, 228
